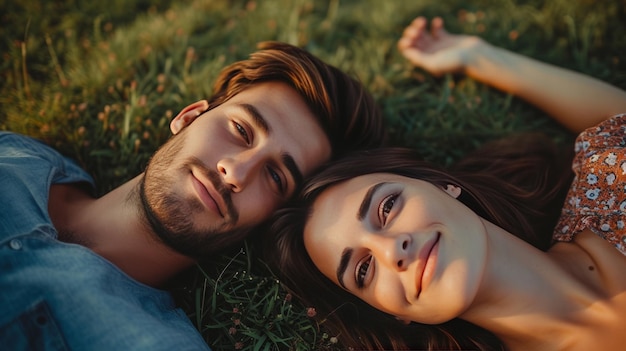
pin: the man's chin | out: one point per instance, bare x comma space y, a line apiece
202, 243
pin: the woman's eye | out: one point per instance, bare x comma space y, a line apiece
242, 131
361, 272
276, 179
385, 208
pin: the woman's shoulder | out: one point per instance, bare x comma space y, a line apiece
608, 133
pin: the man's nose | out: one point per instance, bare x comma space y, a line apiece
238, 170
392, 251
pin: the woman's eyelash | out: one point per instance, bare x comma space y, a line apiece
361, 272
385, 207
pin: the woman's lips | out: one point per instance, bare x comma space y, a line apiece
427, 263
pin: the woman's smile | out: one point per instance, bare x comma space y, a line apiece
412, 247
426, 270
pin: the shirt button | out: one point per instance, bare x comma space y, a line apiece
15, 244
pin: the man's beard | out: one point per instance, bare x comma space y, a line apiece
170, 216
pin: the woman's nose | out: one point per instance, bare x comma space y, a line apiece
391, 251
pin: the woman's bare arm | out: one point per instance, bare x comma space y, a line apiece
575, 100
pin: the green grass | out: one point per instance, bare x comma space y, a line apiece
101, 80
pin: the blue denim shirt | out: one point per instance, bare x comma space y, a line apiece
59, 296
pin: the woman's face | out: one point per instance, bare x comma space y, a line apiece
403, 245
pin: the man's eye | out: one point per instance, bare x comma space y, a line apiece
242, 131
361, 272
276, 179
385, 208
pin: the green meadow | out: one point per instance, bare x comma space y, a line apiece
100, 81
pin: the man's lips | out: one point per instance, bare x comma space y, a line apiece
427, 260
208, 195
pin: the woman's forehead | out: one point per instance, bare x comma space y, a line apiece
363, 182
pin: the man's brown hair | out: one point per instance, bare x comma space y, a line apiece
345, 110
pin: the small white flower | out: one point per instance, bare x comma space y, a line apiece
610, 202
593, 194
592, 179
611, 160
610, 179
583, 145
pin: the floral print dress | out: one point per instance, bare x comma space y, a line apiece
597, 197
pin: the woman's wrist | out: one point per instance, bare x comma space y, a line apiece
478, 51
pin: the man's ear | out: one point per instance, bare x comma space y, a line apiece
453, 190
188, 115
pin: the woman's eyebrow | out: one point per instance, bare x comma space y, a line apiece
343, 264
367, 200
346, 255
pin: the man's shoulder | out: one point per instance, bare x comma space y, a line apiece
32, 156
13, 144
115, 311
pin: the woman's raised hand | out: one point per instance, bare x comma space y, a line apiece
436, 50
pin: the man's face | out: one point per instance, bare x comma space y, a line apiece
232, 167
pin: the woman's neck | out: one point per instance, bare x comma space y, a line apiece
550, 300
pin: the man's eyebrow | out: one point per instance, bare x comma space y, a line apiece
367, 199
346, 255
287, 159
257, 117
292, 167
